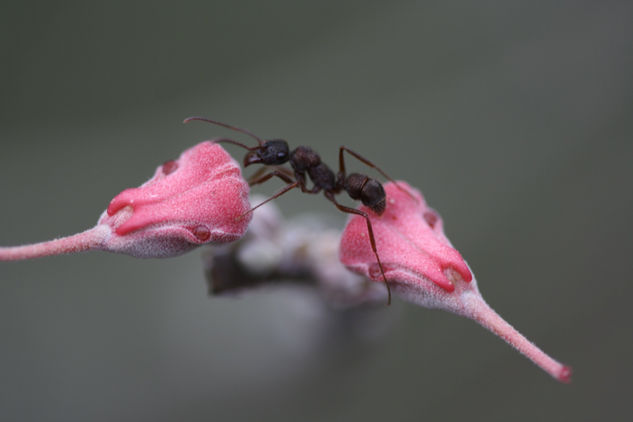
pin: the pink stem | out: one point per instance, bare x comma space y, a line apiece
481, 312
89, 239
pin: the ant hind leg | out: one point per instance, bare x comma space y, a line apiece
368, 163
370, 231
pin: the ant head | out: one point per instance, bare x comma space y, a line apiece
272, 152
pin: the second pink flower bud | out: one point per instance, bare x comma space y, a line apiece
198, 198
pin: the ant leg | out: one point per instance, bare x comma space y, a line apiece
361, 159
284, 174
315, 189
259, 177
370, 230
300, 177
368, 163
275, 196
256, 175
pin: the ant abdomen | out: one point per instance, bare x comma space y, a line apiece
373, 195
368, 190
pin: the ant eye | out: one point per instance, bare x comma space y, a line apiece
281, 154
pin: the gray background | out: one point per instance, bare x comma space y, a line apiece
514, 118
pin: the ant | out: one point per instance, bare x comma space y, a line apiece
306, 164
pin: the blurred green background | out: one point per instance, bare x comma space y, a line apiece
514, 118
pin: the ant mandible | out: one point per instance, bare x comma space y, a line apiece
305, 162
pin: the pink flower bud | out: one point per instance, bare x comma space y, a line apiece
422, 267
198, 198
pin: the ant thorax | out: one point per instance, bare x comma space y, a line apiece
303, 158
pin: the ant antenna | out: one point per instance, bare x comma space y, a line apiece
237, 129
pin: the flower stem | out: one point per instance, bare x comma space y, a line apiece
87, 240
480, 311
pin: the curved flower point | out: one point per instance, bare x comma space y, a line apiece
198, 198
422, 267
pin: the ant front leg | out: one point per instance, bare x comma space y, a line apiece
301, 178
275, 196
259, 177
370, 231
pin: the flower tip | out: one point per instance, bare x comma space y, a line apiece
564, 375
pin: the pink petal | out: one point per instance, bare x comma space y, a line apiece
423, 268
409, 235
198, 198
203, 188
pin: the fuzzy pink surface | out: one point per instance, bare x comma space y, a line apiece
408, 232
203, 191
422, 267
193, 200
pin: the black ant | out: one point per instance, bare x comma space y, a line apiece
304, 161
